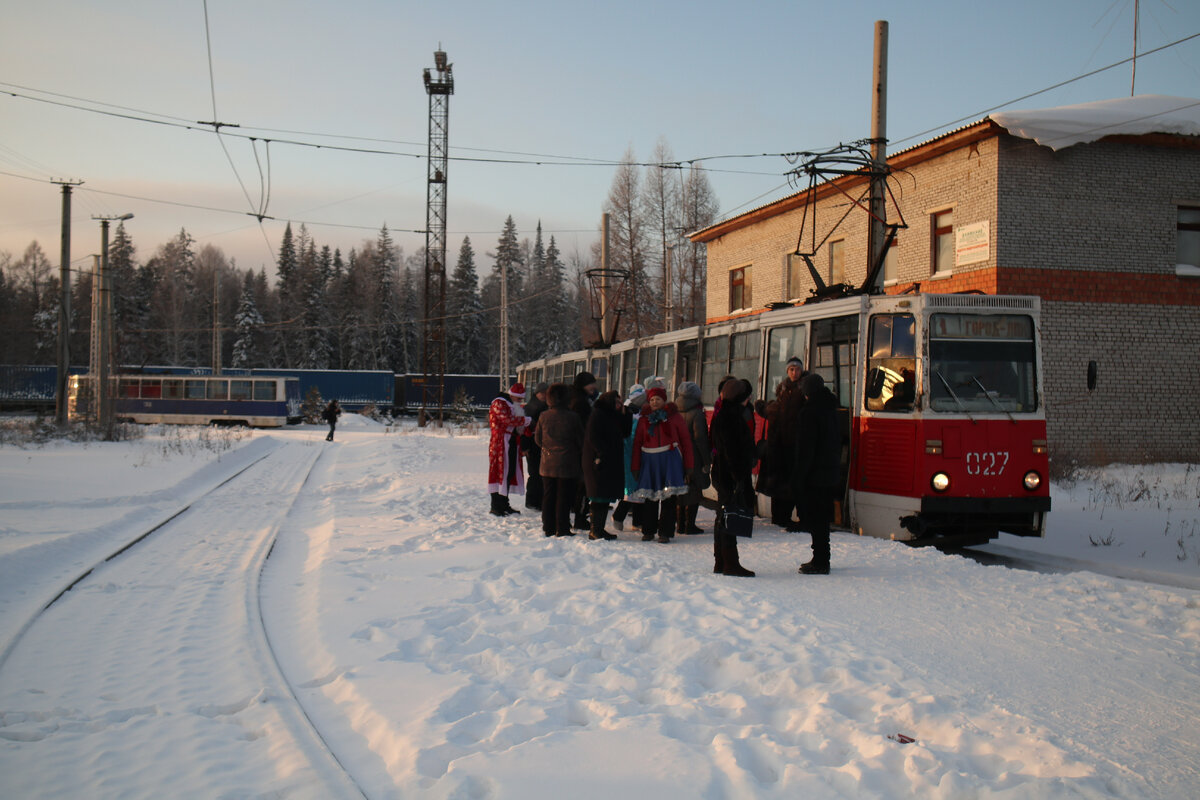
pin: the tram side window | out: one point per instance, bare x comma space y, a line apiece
218, 390
172, 389
194, 390
628, 369
892, 366
152, 388
264, 390
982, 363
743, 361
714, 364
239, 390
646, 364
128, 387
666, 367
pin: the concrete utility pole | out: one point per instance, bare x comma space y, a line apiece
64, 305
102, 330
439, 89
877, 232
605, 287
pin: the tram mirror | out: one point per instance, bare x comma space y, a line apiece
875, 382
1093, 370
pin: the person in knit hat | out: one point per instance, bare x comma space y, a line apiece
533, 453
733, 460
507, 421
662, 456
689, 401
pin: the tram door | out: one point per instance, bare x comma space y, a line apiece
833, 356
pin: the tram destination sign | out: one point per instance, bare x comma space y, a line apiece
1012, 327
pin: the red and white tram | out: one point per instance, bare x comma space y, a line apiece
940, 397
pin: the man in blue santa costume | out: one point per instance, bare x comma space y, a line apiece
507, 420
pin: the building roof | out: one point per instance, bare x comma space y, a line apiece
1064, 126
1055, 128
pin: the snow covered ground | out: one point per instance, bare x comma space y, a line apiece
319, 620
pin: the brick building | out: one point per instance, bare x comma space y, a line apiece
1094, 208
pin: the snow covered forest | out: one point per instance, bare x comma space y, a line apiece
317, 307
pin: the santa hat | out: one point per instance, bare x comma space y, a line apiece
517, 390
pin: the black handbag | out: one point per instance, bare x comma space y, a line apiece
738, 521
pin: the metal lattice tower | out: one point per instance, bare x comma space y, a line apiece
439, 85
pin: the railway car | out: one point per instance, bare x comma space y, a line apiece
411, 391
257, 401
940, 402
355, 390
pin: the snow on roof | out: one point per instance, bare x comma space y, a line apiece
1064, 126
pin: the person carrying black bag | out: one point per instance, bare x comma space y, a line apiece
733, 461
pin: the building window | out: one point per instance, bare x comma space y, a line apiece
837, 262
739, 288
797, 271
1187, 242
943, 241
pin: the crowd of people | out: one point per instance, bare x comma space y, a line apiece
647, 459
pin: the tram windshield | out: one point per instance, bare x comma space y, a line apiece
982, 363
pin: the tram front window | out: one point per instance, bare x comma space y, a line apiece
982, 363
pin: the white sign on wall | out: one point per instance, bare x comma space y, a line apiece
972, 243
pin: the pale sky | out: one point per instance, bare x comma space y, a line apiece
551, 81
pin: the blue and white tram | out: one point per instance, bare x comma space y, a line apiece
259, 401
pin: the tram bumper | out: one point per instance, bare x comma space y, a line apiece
976, 519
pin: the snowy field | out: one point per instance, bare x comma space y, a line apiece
313, 620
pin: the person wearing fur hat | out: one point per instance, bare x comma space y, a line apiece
632, 411
560, 435
774, 474
662, 457
816, 467
506, 420
733, 460
688, 400
604, 461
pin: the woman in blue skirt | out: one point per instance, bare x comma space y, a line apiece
661, 460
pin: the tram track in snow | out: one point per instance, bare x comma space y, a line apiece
181, 617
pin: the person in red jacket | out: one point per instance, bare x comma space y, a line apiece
661, 460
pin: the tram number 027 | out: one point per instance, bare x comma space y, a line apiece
987, 463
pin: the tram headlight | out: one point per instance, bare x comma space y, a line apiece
1032, 480
940, 482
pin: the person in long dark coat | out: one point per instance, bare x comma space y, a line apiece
582, 396
330, 415
604, 460
783, 417
533, 453
733, 460
688, 399
560, 435
815, 471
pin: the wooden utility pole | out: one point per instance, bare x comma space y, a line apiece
102, 362
64, 305
877, 231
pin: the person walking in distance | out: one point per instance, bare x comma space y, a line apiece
330, 415
816, 466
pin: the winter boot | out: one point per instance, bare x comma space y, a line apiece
599, 517
718, 554
498, 504
732, 566
508, 509
692, 528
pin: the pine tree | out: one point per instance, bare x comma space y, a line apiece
248, 323
464, 325
562, 319
627, 251
286, 268
507, 261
